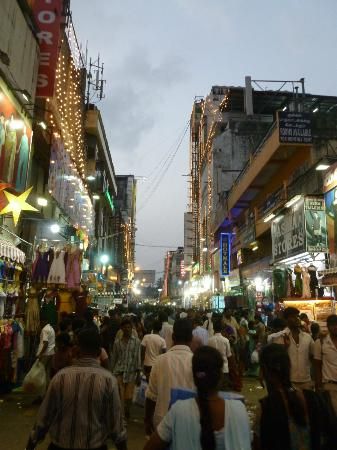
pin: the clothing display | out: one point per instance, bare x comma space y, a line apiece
65, 302
23, 154
32, 313
41, 266
306, 283
313, 280
74, 269
57, 273
298, 280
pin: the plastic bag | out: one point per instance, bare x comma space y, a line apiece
139, 394
255, 357
36, 379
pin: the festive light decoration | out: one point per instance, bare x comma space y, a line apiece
17, 204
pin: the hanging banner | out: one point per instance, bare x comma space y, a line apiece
294, 128
288, 233
225, 254
315, 225
15, 144
48, 16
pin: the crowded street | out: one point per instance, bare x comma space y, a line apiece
168, 225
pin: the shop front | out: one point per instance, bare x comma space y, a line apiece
301, 258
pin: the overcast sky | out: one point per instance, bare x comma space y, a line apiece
160, 54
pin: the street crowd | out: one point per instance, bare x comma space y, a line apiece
194, 364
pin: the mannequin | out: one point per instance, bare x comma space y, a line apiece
298, 280
290, 284
306, 283
313, 280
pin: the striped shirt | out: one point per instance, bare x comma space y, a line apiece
81, 409
126, 359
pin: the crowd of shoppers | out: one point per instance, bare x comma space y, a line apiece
95, 366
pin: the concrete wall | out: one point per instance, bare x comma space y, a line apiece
19, 43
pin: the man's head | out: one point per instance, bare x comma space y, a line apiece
62, 341
292, 317
332, 325
217, 325
156, 326
163, 316
197, 321
182, 332
227, 313
304, 318
65, 325
126, 327
88, 316
89, 342
114, 314
278, 325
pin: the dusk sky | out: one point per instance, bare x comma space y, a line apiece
160, 54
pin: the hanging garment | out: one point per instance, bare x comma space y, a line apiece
65, 304
279, 283
306, 284
10, 153
290, 284
81, 302
2, 303
21, 174
41, 266
9, 306
313, 280
32, 315
298, 281
74, 269
57, 273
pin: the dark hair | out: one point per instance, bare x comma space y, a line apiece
89, 341
197, 320
278, 323
207, 365
182, 331
62, 340
303, 316
88, 315
315, 328
289, 312
163, 316
275, 360
156, 326
217, 325
331, 320
78, 324
126, 321
64, 324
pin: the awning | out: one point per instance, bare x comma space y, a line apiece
8, 250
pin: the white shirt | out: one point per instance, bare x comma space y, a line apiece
327, 353
47, 335
154, 346
223, 346
208, 325
277, 338
166, 333
299, 355
201, 334
170, 371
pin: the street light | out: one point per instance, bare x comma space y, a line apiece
55, 228
104, 259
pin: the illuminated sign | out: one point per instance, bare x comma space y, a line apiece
225, 254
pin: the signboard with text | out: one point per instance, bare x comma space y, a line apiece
225, 254
294, 127
315, 225
48, 16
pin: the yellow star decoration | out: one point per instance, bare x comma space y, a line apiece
17, 204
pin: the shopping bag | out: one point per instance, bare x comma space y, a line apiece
139, 395
36, 379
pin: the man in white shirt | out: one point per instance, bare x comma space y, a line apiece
172, 370
300, 347
166, 330
208, 324
152, 346
231, 321
325, 360
46, 348
222, 344
200, 334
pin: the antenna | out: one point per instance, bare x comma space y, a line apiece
95, 81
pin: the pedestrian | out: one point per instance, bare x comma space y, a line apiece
89, 319
315, 331
166, 330
63, 353
208, 323
278, 327
260, 329
325, 360
221, 343
105, 333
115, 323
207, 422
81, 409
198, 331
170, 371
288, 418
305, 322
152, 346
230, 320
300, 349
126, 364
46, 348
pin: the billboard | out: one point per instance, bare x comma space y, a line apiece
315, 225
15, 144
48, 16
294, 128
225, 254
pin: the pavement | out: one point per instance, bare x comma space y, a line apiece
17, 416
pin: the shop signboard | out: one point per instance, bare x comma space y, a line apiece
288, 233
68, 190
294, 127
48, 16
248, 235
15, 144
315, 225
225, 254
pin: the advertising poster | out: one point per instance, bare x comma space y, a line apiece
67, 188
315, 225
294, 128
288, 233
15, 145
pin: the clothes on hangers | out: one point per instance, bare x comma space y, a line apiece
73, 272
57, 273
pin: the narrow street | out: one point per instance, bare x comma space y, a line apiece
17, 416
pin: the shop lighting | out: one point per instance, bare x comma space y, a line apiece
205, 249
17, 124
43, 125
55, 228
269, 217
202, 239
284, 109
104, 259
91, 178
322, 166
42, 201
292, 201
315, 110
255, 248
96, 197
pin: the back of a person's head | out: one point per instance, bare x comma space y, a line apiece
217, 325
278, 324
197, 321
64, 325
88, 315
62, 341
163, 316
77, 324
156, 326
207, 366
290, 312
182, 331
89, 342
